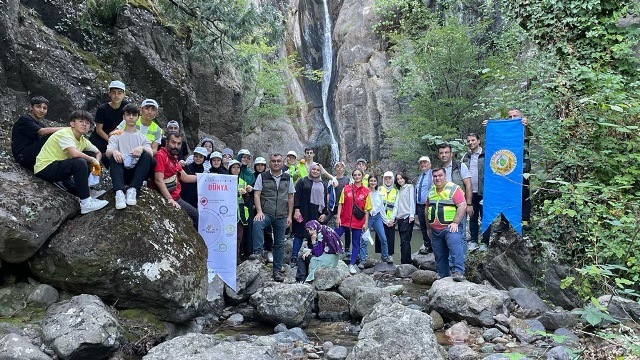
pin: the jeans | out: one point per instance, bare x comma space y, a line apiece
278, 225
297, 244
445, 244
356, 234
405, 228
134, 176
63, 169
424, 225
378, 225
474, 227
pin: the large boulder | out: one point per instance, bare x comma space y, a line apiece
621, 308
291, 304
329, 278
209, 347
365, 299
145, 256
332, 306
81, 328
395, 332
349, 286
30, 212
527, 299
477, 304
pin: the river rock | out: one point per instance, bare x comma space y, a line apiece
405, 270
424, 262
214, 302
332, 306
329, 278
621, 308
565, 337
461, 352
293, 335
468, 301
291, 304
31, 210
558, 353
385, 268
337, 353
145, 256
42, 296
364, 300
81, 328
556, 319
424, 277
528, 299
458, 333
247, 272
527, 331
209, 347
235, 320
490, 334
389, 332
349, 285
436, 320
14, 346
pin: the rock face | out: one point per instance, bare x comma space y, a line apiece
389, 333
160, 266
477, 304
291, 304
81, 328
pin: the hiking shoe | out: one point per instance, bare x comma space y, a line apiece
131, 196
269, 257
424, 250
388, 260
457, 277
482, 247
255, 256
361, 266
92, 205
353, 270
277, 276
96, 193
121, 202
472, 246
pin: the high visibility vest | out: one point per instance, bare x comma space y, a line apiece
441, 205
388, 198
243, 210
152, 130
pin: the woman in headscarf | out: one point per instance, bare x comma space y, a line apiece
244, 158
208, 145
189, 191
243, 211
324, 252
215, 160
308, 204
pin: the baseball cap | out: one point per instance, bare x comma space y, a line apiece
292, 153
361, 160
388, 174
200, 150
234, 162
147, 102
244, 152
260, 160
116, 85
216, 154
424, 158
173, 123
339, 163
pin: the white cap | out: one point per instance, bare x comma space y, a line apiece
200, 150
424, 158
260, 160
388, 174
173, 123
147, 102
216, 154
234, 161
292, 153
116, 85
243, 152
361, 160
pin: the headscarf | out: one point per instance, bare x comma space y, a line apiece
327, 235
317, 189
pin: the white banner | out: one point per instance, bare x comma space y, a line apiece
217, 223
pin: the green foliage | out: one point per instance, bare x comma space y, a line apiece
595, 314
105, 12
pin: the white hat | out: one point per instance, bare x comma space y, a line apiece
200, 150
216, 154
292, 153
232, 162
147, 102
116, 85
243, 152
361, 160
260, 160
424, 158
173, 123
388, 174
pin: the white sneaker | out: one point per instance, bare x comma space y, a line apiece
482, 247
120, 200
96, 193
92, 205
269, 257
131, 196
352, 269
472, 246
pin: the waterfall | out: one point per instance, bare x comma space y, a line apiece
327, 67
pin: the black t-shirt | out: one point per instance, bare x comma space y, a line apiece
24, 133
109, 118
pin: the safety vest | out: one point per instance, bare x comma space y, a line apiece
388, 198
152, 130
441, 205
243, 210
365, 180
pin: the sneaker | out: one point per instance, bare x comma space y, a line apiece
277, 276
457, 277
131, 196
269, 257
424, 250
472, 246
388, 260
361, 266
92, 205
482, 247
352, 269
96, 193
121, 203
255, 256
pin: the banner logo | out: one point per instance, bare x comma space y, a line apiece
503, 162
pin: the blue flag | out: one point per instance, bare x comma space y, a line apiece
504, 159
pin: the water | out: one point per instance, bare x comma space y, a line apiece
327, 67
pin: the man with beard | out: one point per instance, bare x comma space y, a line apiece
169, 173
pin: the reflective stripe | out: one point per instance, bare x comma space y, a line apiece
243, 210
152, 130
388, 198
441, 205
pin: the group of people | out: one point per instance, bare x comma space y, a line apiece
285, 193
